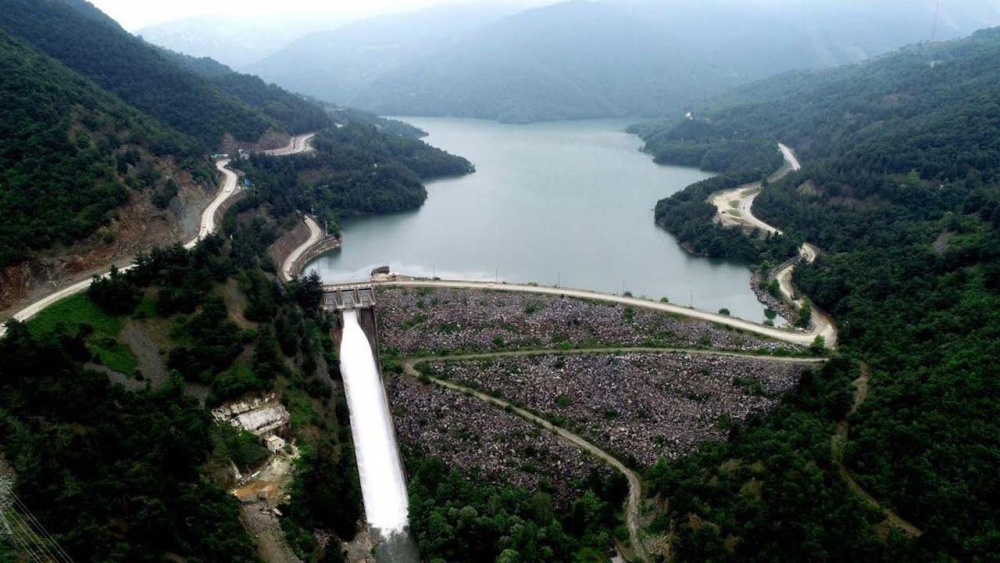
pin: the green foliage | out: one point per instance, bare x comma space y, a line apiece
111, 472
93, 45
457, 520
804, 319
689, 216
243, 448
355, 170
214, 342
292, 111
66, 151
325, 493
898, 152
709, 146
115, 294
97, 331
771, 487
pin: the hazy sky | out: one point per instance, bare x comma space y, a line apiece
135, 14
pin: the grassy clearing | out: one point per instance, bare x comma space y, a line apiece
78, 310
73, 312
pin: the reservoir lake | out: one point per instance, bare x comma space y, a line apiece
567, 203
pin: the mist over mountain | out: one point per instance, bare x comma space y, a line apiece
566, 61
337, 65
231, 40
587, 59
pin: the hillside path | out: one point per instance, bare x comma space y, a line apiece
634, 504
229, 188
742, 199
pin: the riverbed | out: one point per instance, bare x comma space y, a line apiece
564, 203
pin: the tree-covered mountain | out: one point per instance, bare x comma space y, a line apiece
901, 192
96, 124
358, 168
295, 113
336, 65
70, 152
585, 59
566, 61
84, 39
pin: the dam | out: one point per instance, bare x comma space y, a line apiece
383, 482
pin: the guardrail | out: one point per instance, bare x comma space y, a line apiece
315, 251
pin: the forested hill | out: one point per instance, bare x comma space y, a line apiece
901, 191
69, 152
83, 38
296, 114
568, 61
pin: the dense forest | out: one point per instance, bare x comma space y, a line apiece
358, 168
83, 38
456, 519
109, 493
92, 115
70, 153
900, 192
296, 114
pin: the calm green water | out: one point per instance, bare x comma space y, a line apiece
568, 203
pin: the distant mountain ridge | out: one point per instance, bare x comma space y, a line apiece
639, 58
335, 66
89, 42
567, 61
106, 140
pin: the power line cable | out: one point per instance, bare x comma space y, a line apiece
32, 536
38, 526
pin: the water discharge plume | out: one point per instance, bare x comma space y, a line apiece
382, 483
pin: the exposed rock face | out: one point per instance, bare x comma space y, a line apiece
777, 304
261, 416
136, 227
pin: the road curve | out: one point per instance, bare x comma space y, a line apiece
798, 337
744, 196
296, 145
315, 234
634, 504
229, 188
837, 444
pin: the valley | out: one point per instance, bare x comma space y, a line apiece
633, 282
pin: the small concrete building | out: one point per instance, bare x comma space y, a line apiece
274, 444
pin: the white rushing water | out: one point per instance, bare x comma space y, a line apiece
382, 483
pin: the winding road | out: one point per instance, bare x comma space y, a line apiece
837, 444
297, 145
229, 188
633, 511
742, 198
634, 505
315, 235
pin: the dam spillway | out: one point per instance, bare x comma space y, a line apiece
383, 485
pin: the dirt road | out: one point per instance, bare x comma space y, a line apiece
634, 504
296, 145
741, 200
228, 189
837, 452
